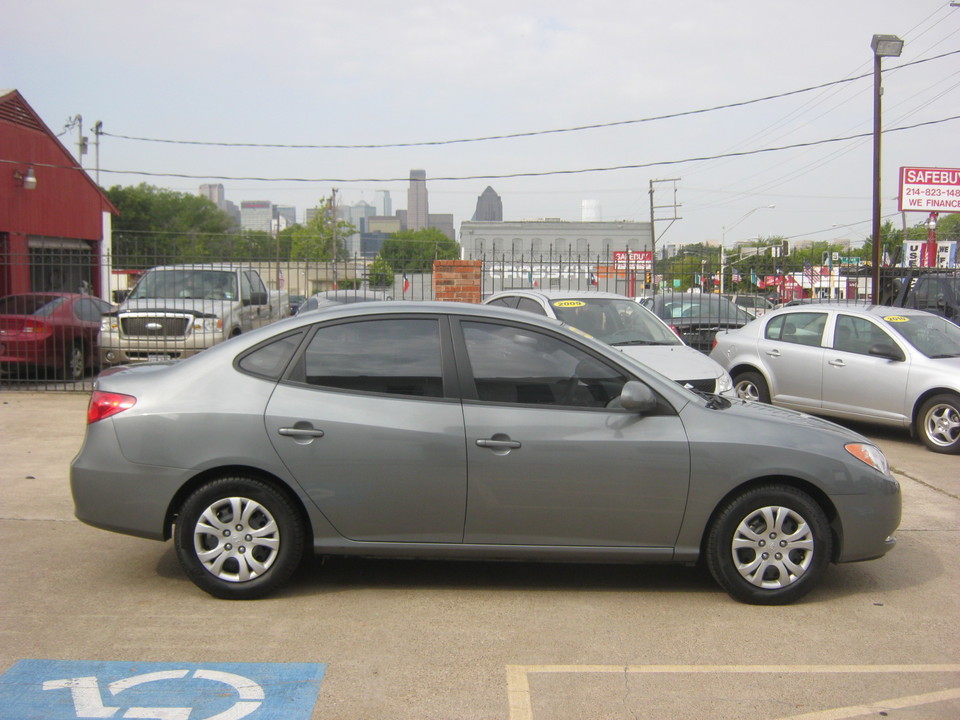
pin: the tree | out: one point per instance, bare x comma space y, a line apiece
320, 239
415, 250
155, 223
380, 273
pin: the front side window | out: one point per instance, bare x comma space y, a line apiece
858, 335
523, 366
398, 356
802, 328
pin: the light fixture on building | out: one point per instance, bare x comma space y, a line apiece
27, 180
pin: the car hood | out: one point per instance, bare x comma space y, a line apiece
194, 306
772, 415
677, 362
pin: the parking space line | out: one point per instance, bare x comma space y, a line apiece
521, 707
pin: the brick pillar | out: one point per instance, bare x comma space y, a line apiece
457, 280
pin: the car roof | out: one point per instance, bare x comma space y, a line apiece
561, 294
850, 307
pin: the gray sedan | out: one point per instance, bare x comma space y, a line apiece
448, 430
868, 363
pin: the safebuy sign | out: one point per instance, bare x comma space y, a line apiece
935, 190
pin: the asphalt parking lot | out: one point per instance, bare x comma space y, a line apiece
404, 639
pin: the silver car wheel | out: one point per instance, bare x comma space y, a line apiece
747, 391
236, 539
773, 547
941, 425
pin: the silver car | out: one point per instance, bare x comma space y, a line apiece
627, 325
869, 363
449, 430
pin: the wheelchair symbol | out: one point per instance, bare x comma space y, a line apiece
88, 699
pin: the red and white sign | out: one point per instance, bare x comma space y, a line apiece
929, 190
632, 260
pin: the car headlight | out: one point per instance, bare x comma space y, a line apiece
869, 454
108, 323
724, 384
206, 324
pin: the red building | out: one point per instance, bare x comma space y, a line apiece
53, 217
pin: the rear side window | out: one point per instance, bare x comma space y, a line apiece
398, 356
270, 360
799, 328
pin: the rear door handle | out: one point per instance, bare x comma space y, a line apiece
836, 363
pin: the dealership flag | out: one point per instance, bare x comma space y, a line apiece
406, 284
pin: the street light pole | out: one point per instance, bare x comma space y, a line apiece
883, 46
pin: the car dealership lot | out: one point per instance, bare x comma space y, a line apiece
412, 639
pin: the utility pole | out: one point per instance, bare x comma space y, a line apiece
671, 217
333, 228
97, 132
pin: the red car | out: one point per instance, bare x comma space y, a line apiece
51, 330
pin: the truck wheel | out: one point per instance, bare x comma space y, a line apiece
239, 538
938, 423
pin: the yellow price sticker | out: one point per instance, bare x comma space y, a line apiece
569, 303
896, 318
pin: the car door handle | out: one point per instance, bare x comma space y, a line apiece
837, 363
773, 353
498, 444
300, 432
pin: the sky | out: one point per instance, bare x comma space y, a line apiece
749, 118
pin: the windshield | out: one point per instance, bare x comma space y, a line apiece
704, 308
614, 321
934, 336
185, 283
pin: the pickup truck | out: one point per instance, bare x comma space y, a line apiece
933, 290
175, 311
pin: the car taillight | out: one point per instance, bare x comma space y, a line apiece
676, 331
105, 404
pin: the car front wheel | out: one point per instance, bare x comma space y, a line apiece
238, 538
939, 424
751, 386
769, 545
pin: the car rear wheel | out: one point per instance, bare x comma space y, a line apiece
239, 538
74, 362
939, 424
769, 545
751, 386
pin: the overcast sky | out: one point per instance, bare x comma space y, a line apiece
372, 72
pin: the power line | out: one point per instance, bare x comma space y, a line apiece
580, 171
532, 133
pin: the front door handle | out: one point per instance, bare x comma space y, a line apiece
300, 432
498, 444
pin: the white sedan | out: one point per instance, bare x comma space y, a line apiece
869, 363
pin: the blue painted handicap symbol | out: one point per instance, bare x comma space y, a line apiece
68, 689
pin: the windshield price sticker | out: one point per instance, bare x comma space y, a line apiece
896, 318
64, 689
569, 303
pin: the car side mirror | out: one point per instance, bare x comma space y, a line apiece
888, 351
637, 397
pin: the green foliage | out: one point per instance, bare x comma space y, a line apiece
157, 223
380, 273
320, 239
415, 250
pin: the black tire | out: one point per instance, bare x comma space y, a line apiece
239, 538
938, 424
74, 362
769, 545
750, 385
